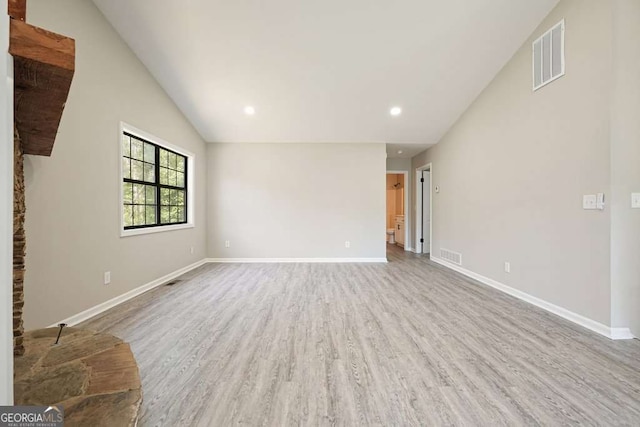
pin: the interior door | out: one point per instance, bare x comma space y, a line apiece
426, 212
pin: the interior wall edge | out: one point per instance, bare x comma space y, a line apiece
6, 212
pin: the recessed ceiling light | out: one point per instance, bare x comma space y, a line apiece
249, 110
395, 111
399, 151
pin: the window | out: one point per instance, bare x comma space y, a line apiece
548, 56
155, 184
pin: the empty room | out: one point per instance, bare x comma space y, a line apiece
320, 213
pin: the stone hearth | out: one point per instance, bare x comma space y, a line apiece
93, 376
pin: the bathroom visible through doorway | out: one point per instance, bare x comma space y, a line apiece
396, 209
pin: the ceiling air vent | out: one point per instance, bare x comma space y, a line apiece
450, 256
548, 56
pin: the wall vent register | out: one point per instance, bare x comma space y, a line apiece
548, 56
451, 256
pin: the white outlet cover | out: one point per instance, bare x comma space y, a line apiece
107, 277
635, 200
589, 201
347, 244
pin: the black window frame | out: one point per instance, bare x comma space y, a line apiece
156, 184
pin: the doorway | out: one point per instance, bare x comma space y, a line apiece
397, 220
424, 209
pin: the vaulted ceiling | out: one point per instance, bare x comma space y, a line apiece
324, 71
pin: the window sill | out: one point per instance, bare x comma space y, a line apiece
151, 230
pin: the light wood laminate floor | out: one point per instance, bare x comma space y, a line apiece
403, 343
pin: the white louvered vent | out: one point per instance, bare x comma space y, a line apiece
548, 56
450, 256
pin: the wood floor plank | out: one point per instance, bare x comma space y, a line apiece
403, 343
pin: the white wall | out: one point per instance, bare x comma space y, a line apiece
73, 201
296, 200
625, 173
6, 212
513, 169
395, 164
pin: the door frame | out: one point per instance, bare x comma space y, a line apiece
407, 211
419, 248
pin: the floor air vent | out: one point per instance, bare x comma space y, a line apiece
450, 256
173, 282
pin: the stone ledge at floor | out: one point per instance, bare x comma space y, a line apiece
92, 375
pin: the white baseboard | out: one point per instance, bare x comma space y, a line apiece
95, 310
612, 333
621, 334
290, 260
415, 251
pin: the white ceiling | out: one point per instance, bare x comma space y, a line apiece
324, 71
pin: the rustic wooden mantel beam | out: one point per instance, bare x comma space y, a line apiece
18, 9
44, 63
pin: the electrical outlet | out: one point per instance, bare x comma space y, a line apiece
227, 244
589, 201
507, 267
107, 277
192, 250
347, 244
635, 200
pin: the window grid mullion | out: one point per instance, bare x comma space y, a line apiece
157, 186
157, 149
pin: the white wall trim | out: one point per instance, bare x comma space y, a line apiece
191, 165
612, 333
95, 310
102, 307
621, 334
293, 260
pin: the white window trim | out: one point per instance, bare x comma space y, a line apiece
533, 60
125, 127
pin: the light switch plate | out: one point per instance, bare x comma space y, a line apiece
635, 200
589, 201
